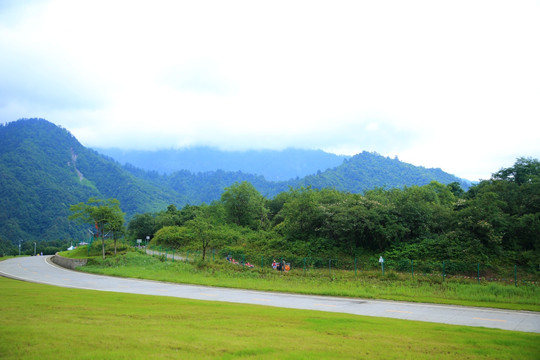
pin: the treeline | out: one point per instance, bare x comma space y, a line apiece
497, 220
32, 247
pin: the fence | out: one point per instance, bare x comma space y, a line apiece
414, 268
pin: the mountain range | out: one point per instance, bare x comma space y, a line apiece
44, 169
273, 165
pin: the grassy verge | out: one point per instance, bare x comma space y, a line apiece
47, 322
391, 286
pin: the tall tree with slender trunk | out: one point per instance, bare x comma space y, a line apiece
105, 215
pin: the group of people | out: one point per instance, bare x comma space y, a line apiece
281, 266
232, 261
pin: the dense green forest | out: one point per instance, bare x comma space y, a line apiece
44, 170
497, 220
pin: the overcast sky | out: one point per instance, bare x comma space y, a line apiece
449, 84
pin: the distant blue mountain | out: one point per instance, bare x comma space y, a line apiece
272, 164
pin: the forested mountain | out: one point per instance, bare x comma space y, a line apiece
44, 170
362, 172
273, 165
366, 171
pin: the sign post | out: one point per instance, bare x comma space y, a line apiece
381, 261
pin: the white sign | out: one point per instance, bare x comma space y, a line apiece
381, 260
139, 241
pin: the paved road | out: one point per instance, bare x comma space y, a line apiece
39, 269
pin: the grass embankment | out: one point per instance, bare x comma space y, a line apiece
371, 285
47, 322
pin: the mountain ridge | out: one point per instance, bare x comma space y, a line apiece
44, 169
274, 165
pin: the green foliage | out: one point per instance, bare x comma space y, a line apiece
496, 221
369, 203
173, 236
45, 169
141, 226
245, 206
366, 171
106, 215
7, 248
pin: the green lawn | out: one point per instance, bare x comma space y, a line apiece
371, 285
47, 322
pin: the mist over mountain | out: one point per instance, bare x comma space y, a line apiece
44, 169
272, 164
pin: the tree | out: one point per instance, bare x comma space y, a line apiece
202, 227
116, 227
523, 171
456, 189
141, 226
245, 206
105, 215
302, 215
7, 248
173, 236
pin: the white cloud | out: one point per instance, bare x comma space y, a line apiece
440, 84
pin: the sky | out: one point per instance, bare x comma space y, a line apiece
446, 84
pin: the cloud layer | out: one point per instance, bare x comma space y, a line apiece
440, 84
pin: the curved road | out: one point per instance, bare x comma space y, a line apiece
40, 269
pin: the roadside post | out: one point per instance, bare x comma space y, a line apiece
381, 261
443, 271
330, 267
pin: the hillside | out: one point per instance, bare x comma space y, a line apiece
367, 171
44, 169
273, 165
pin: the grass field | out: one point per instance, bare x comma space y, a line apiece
47, 322
371, 285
